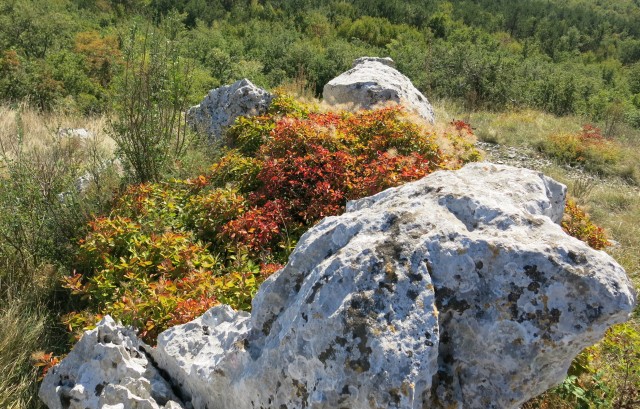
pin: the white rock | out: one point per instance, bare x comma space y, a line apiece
459, 290
388, 61
223, 105
80, 133
83, 182
107, 368
192, 354
374, 81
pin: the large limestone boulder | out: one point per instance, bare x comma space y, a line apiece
373, 81
456, 291
108, 368
223, 105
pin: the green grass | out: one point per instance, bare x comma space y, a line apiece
617, 158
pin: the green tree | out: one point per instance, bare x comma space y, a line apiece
151, 96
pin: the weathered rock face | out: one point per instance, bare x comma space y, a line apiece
459, 290
108, 366
456, 291
373, 81
223, 105
206, 355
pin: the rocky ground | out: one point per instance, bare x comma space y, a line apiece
526, 157
521, 157
457, 290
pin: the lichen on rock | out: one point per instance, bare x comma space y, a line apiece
458, 290
221, 106
108, 366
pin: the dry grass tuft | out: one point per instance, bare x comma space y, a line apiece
37, 163
22, 331
24, 129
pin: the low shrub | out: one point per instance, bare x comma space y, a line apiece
208, 212
312, 165
587, 148
169, 250
237, 170
138, 276
621, 354
578, 224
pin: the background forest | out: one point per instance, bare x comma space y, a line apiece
563, 57
554, 80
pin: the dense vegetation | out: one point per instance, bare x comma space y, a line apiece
175, 225
564, 57
169, 251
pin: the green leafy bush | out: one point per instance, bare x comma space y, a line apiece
150, 95
170, 250
236, 170
141, 278
578, 224
209, 211
621, 354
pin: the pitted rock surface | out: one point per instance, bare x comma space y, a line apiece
373, 81
206, 355
107, 368
459, 290
223, 105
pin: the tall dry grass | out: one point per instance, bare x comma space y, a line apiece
37, 225
28, 132
22, 332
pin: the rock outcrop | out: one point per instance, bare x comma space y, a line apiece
108, 366
459, 290
373, 81
456, 291
223, 105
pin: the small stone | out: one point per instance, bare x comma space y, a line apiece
79, 133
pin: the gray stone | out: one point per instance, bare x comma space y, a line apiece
459, 290
193, 354
456, 291
79, 133
373, 81
221, 107
386, 61
108, 366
